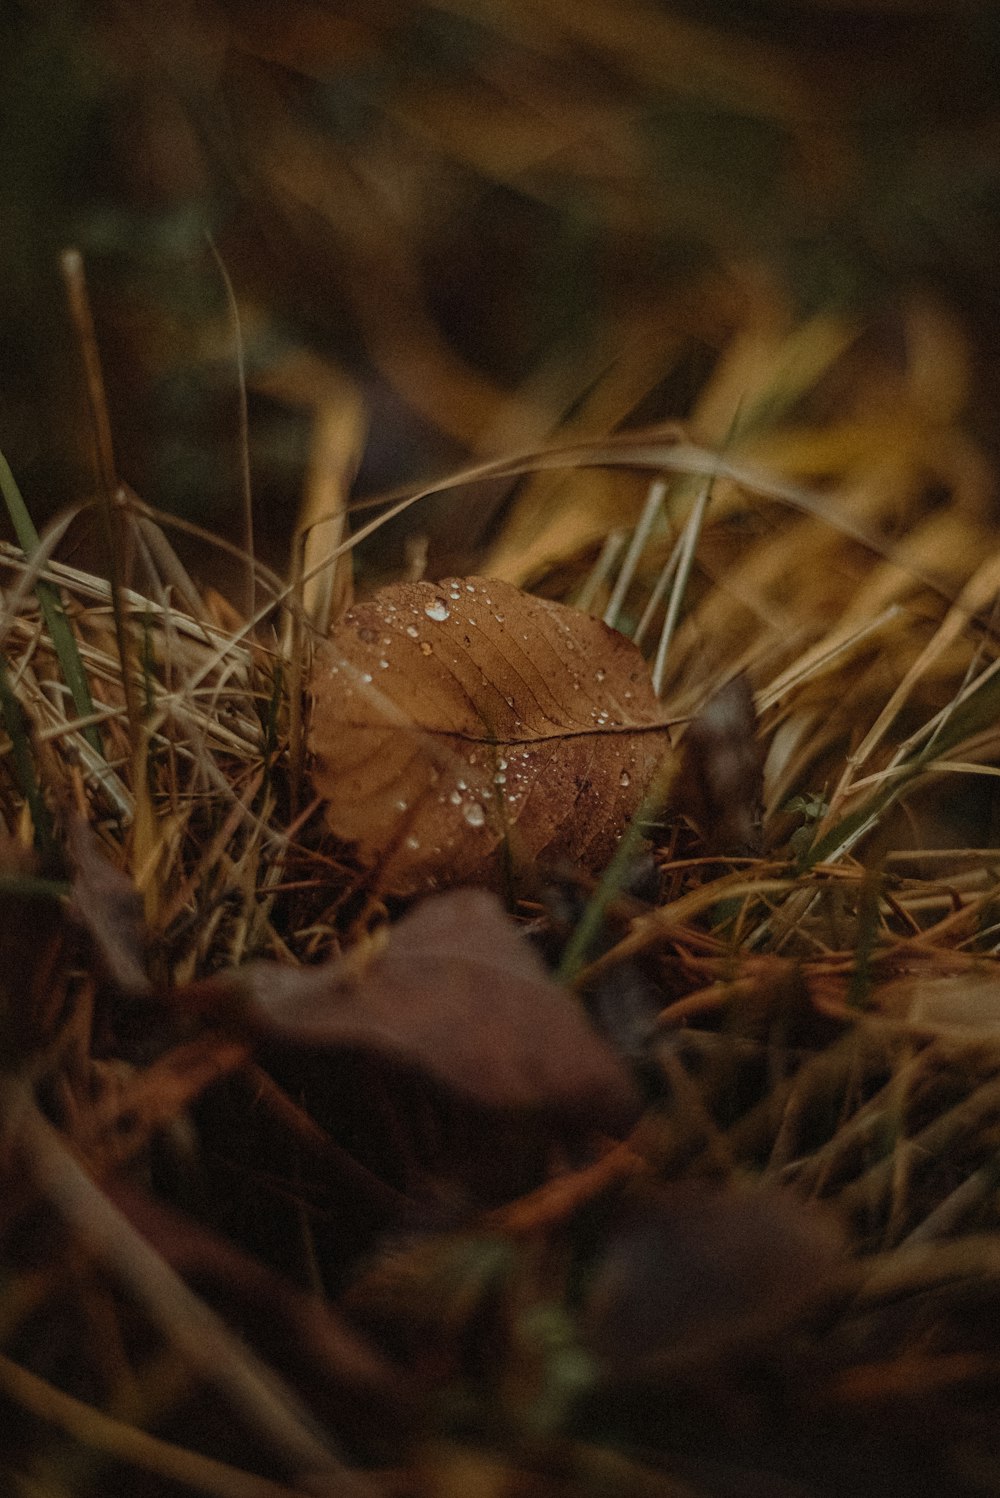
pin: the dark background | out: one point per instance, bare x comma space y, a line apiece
456, 218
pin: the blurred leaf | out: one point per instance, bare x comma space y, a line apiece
690, 1270
457, 994
107, 903
721, 781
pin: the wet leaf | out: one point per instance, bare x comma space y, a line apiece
458, 995
450, 720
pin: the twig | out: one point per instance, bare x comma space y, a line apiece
126, 1443
252, 1389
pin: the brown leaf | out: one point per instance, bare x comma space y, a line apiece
451, 718
107, 903
692, 1270
720, 787
969, 1000
457, 994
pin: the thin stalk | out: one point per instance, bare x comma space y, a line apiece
24, 764
659, 588
118, 1441
601, 570
245, 481
978, 710
200, 1337
589, 926
689, 543
56, 622
83, 321
637, 545
296, 676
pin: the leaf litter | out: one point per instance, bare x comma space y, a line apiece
754, 1244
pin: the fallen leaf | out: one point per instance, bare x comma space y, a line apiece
720, 785
692, 1270
108, 905
452, 719
965, 1001
457, 994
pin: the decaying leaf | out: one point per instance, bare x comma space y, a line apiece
720, 786
691, 1270
106, 902
457, 994
452, 719
968, 1000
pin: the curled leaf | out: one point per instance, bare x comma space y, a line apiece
452, 719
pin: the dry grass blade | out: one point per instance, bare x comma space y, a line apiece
416, 1123
663, 449
55, 619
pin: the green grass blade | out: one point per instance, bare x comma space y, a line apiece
56, 622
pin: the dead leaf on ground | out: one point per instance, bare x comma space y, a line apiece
451, 719
108, 905
691, 1270
968, 1000
720, 786
457, 994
